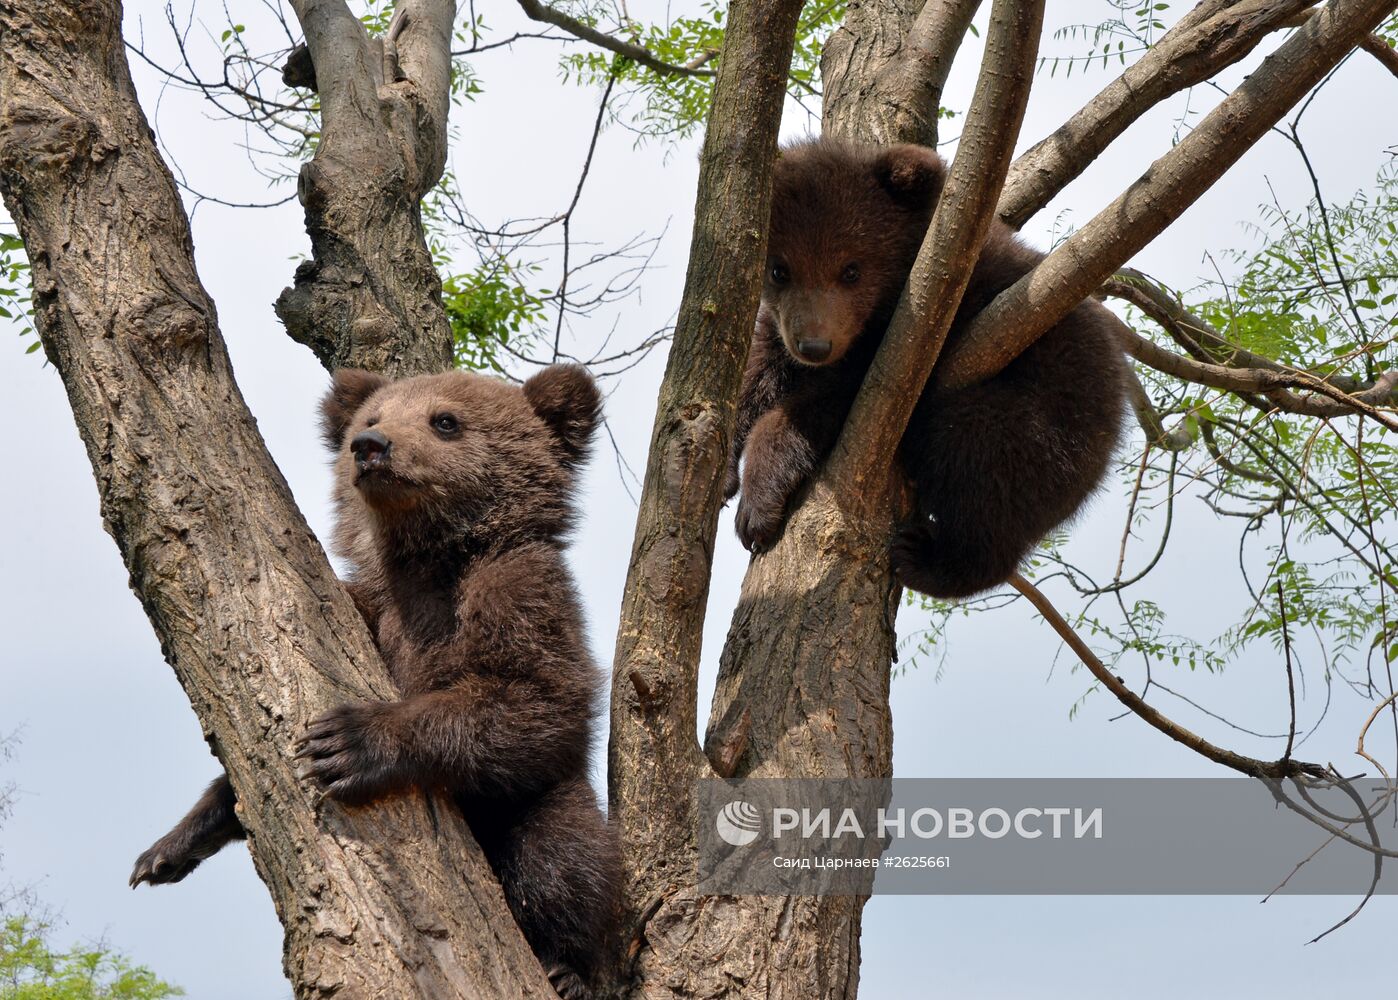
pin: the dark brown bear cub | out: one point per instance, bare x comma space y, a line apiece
454, 494
994, 467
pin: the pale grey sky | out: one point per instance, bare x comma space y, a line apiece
112, 755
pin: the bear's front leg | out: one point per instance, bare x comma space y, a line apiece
779, 458
212, 823
355, 752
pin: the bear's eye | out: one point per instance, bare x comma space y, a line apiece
850, 274
780, 275
445, 423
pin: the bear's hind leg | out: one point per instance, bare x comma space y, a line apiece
950, 564
982, 463
997, 466
560, 869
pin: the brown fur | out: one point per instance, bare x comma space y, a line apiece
455, 534
994, 467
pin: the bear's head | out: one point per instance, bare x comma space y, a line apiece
847, 222
456, 458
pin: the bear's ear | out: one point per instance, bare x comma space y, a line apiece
351, 387
567, 399
912, 175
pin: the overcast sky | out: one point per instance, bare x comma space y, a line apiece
111, 754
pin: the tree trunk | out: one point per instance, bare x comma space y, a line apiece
804, 679
805, 671
855, 66
393, 900
370, 297
888, 64
654, 756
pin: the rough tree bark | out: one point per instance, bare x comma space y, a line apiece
806, 667
654, 757
396, 901
803, 687
389, 901
370, 297
803, 683
889, 62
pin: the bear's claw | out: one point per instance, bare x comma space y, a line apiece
757, 526
164, 862
340, 754
567, 983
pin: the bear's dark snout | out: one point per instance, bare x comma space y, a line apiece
813, 350
370, 449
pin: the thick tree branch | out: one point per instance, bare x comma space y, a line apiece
1375, 44
370, 296
654, 754
419, 42
1266, 382
1073, 271
393, 900
803, 682
901, 84
1250, 374
963, 216
537, 11
1212, 36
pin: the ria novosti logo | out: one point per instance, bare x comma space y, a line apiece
738, 823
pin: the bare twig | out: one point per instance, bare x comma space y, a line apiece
1290, 672
1283, 768
537, 11
572, 205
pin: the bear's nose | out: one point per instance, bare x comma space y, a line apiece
813, 350
369, 448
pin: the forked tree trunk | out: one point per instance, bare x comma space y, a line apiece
804, 678
392, 901
370, 296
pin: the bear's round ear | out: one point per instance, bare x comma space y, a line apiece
350, 388
913, 175
567, 399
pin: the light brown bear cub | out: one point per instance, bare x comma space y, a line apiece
994, 467
454, 495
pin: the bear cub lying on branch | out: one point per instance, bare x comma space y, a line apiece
995, 466
454, 494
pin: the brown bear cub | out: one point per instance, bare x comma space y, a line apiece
994, 467
454, 496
